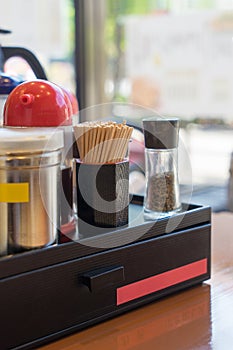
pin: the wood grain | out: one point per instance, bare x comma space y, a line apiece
198, 318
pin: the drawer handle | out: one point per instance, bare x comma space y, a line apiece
101, 278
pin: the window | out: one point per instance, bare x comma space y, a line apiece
175, 57
46, 28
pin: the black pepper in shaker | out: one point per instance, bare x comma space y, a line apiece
161, 160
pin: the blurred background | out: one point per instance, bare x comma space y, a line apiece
134, 58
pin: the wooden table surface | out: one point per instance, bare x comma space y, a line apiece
198, 318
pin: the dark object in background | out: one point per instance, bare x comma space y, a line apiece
27, 55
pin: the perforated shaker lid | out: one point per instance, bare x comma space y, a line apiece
161, 133
30, 140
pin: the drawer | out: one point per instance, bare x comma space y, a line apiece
43, 304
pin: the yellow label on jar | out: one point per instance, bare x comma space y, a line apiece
14, 192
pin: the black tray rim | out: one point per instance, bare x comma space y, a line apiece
11, 265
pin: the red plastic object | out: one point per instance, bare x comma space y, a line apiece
161, 281
73, 101
37, 103
68, 102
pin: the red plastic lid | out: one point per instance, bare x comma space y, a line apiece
73, 100
37, 103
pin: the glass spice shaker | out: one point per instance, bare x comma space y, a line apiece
161, 162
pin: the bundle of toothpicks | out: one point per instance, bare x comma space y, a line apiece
102, 142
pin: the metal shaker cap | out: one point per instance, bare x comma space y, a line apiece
161, 133
30, 140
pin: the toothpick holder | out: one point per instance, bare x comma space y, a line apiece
102, 195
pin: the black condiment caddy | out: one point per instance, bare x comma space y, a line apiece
55, 291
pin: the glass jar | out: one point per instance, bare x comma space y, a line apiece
161, 163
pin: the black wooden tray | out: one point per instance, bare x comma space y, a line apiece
54, 291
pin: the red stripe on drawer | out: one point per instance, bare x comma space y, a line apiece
163, 280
